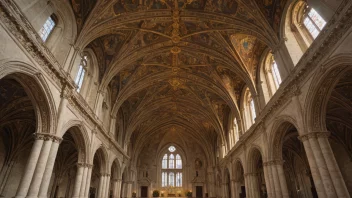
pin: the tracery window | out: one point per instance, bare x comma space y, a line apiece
47, 28
81, 72
171, 168
313, 22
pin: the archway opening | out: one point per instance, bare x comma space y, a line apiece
296, 168
18, 123
98, 183
63, 180
338, 122
240, 187
256, 175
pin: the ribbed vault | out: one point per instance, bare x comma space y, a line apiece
176, 64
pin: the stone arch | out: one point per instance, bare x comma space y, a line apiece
238, 169
320, 91
254, 153
102, 157
80, 136
278, 132
117, 167
37, 89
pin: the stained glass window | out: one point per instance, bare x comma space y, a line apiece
172, 149
171, 179
47, 28
178, 179
171, 161
171, 168
314, 23
178, 162
164, 179
164, 164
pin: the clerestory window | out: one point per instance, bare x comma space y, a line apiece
47, 28
314, 22
81, 72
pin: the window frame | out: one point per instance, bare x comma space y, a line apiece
48, 27
176, 171
82, 70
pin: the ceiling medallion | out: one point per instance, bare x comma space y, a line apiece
175, 83
175, 50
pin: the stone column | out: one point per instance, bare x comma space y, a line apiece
78, 181
84, 181
43, 191
107, 186
88, 180
282, 179
247, 181
332, 165
324, 169
101, 185
268, 180
129, 190
40, 168
114, 187
233, 188
119, 186
313, 167
30, 167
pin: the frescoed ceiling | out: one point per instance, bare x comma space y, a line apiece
177, 63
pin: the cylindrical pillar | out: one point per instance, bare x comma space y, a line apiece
276, 180
107, 185
78, 181
30, 167
313, 167
43, 191
89, 179
332, 165
84, 181
282, 179
322, 168
101, 185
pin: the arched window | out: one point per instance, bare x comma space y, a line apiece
272, 76
81, 72
249, 112
302, 25
171, 168
47, 28
313, 22
276, 74
235, 129
252, 109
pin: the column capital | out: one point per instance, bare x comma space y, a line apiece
47, 137
274, 162
250, 174
314, 134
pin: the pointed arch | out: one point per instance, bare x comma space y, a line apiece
37, 89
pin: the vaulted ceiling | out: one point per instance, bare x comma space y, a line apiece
177, 64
